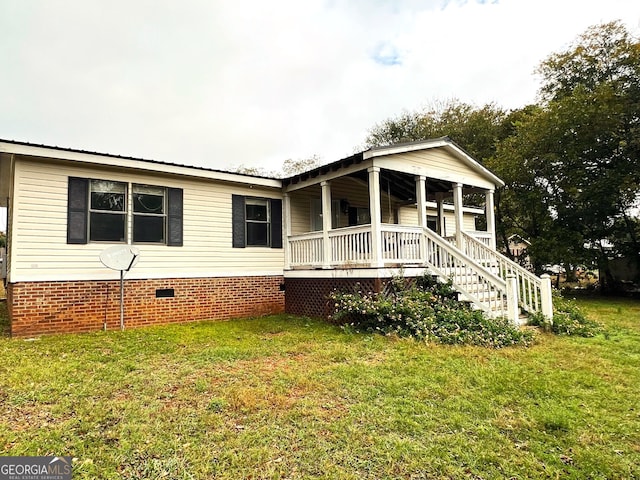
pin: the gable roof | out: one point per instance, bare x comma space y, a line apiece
405, 188
442, 142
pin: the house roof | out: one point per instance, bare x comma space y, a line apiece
87, 156
397, 183
441, 142
400, 185
517, 238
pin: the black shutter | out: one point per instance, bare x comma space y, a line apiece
276, 223
238, 220
77, 210
174, 218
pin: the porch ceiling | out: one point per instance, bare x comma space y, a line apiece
401, 181
403, 186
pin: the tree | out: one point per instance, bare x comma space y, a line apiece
289, 167
577, 154
603, 54
571, 163
476, 129
292, 167
525, 205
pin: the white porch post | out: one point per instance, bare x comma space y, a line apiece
457, 207
376, 215
442, 221
421, 200
326, 224
286, 229
513, 310
490, 214
546, 297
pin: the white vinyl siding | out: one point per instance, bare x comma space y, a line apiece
352, 190
40, 251
435, 163
409, 216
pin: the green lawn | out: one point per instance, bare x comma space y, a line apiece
284, 397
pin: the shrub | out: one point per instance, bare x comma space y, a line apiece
568, 319
428, 310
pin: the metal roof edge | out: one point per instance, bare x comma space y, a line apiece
87, 156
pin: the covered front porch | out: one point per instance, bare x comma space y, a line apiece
403, 207
371, 209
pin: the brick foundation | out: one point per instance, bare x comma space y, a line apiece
84, 306
309, 296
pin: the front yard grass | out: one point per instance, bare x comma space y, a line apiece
287, 397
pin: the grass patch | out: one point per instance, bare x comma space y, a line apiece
287, 397
568, 319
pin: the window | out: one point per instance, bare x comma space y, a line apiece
257, 222
149, 214
432, 222
316, 214
98, 211
359, 216
107, 211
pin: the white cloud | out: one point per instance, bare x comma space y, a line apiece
249, 82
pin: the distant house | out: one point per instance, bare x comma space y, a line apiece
220, 245
518, 250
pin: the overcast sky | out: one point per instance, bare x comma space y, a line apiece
255, 82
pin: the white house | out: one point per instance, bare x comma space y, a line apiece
217, 245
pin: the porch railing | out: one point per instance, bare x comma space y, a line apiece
352, 246
401, 244
479, 285
534, 292
306, 250
480, 236
408, 245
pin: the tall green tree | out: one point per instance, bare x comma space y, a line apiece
579, 152
479, 130
476, 129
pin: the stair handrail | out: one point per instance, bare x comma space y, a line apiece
486, 279
534, 293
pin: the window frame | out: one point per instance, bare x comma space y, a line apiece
162, 215
79, 213
239, 221
356, 215
316, 214
248, 222
95, 212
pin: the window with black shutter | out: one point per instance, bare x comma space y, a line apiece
97, 211
149, 214
256, 222
107, 211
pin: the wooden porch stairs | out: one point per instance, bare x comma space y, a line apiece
488, 279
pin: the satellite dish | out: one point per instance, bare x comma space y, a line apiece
120, 257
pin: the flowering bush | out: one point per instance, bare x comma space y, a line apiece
427, 310
568, 319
